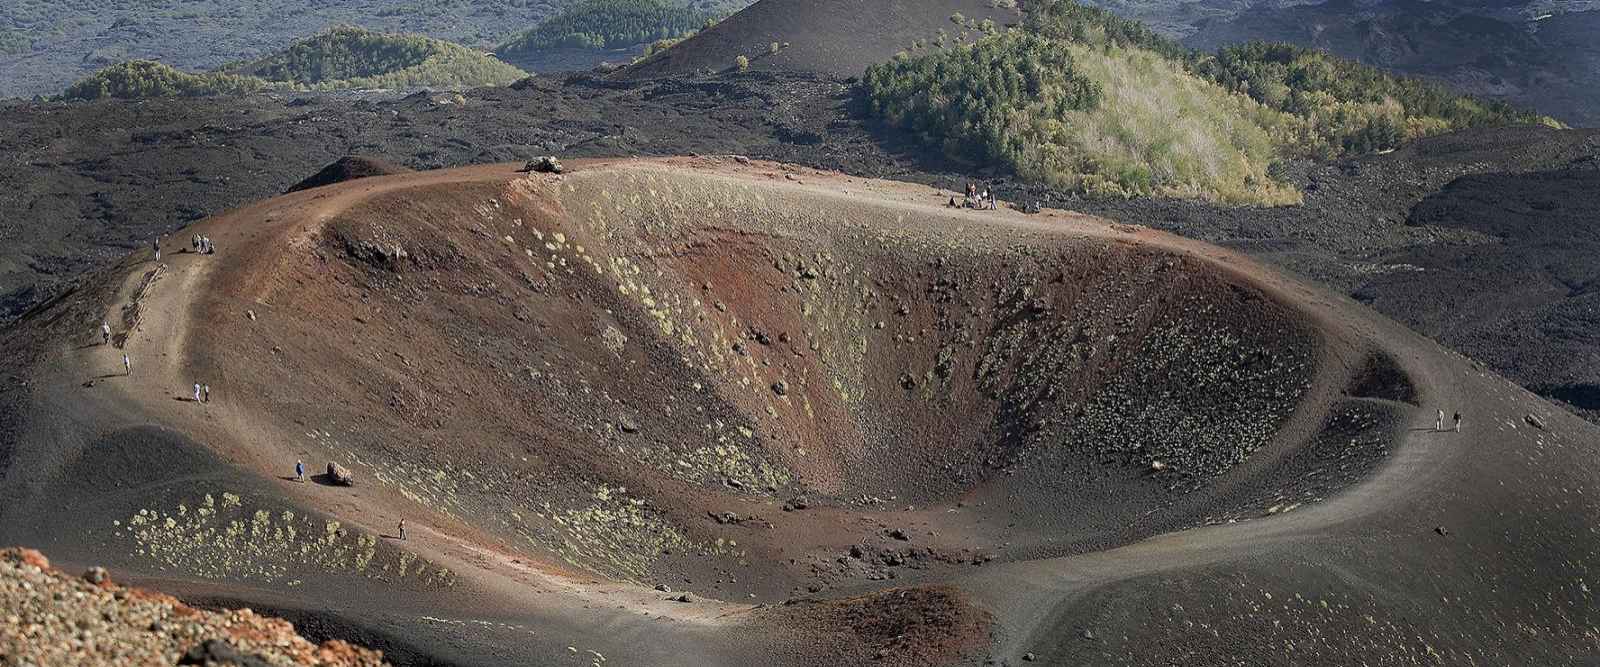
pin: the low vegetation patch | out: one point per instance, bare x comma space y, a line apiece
1080, 99
340, 58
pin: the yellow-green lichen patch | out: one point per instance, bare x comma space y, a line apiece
231, 539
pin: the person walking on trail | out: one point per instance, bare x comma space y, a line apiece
157, 245
300, 471
402, 529
127, 365
194, 243
994, 201
205, 393
105, 332
197, 392
1457, 427
1438, 422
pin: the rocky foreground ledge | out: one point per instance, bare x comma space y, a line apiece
48, 618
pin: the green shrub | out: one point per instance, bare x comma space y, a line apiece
741, 63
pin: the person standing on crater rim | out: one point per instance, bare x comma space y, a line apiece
1457, 427
205, 393
105, 332
156, 244
402, 529
300, 471
1438, 422
197, 392
127, 365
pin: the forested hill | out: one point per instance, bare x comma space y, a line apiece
347, 57
1080, 99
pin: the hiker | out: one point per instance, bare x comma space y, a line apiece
300, 471
402, 529
952, 203
197, 392
1457, 427
127, 365
205, 393
157, 245
105, 333
994, 201
1438, 422
194, 243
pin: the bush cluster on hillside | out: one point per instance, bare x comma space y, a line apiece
349, 57
1080, 98
608, 24
1350, 107
142, 79
340, 58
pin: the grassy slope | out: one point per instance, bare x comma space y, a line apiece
1186, 136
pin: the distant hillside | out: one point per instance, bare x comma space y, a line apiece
341, 58
1080, 99
348, 57
592, 32
838, 37
45, 45
609, 24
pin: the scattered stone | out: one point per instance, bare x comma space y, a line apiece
219, 652
251, 314
726, 518
741, 159
1534, 421
627, 424
96, 575
733, 483
1442, 531
1087, 633
1158, 466
900, 535
1029, 657
664, 588
682, 598
780, 388
796, 503
547, 164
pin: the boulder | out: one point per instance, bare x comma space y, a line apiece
96, 575
1534, 421
547, 164
340, 475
